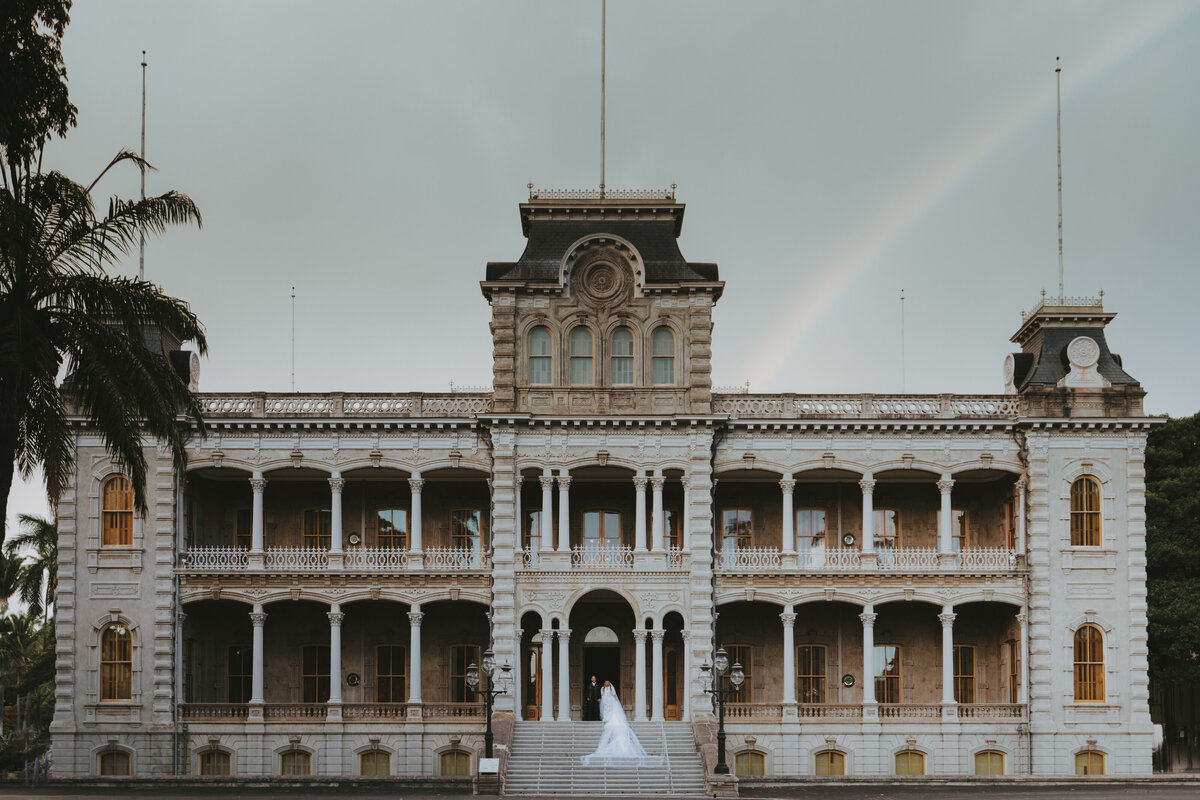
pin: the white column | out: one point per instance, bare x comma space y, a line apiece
867, 484
336, 617
415, 484
1020, 543
414, 653
547, 675
639, 675
868, 629
1023, 673
336, 485
520, 528
657, 518
789, 515
788, 618
947, 619
257, 486
639, 512
564, 511
685, 685
564, 673
257, 619
656, 697
546, 523
945, 516
686, 537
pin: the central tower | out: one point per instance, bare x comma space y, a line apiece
602, 314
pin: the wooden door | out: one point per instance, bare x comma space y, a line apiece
671, 698
531, 678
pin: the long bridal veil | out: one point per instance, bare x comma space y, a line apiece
619, 745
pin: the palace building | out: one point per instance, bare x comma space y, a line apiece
946, 585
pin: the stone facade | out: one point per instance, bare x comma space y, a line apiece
316, 585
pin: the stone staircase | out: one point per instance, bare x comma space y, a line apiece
545, 760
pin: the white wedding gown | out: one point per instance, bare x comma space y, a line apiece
619, 745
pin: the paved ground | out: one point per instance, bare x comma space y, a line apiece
1103, 791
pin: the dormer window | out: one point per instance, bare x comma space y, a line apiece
540, 356
663, 356
581, 357
622, 357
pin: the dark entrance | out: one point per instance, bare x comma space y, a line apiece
603, 661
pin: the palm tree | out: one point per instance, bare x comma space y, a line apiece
61, 313
11, 568
40, 575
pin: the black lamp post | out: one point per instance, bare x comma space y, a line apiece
710, 680
490, 693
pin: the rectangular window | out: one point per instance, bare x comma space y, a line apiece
189, 670
887, 528
1010, 523
887, 673
390, 672
910, 762
114, 762
375, 764
810, 673
239, 673
737, 529
674, 534
830, 762
295, 762
214, 762
314, 673
1014, 671
602, 529
466, 529
317, 528
810, 529
740, 654
958, 530
964, 673
461, 657
243, 528
989, 762
749, 764
455, 764
533, 531
1089, 762
391, 528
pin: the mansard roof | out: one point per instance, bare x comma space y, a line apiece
649, 221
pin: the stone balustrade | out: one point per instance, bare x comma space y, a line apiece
749, 559
867, 406
590, 557
311, 559
261, 405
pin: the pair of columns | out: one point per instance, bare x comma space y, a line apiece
258, 621
947, 617
563, 481
564, 674
337, 484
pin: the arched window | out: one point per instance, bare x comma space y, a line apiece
662, 361
114, 762
1089, 762
830, 762
910, 762
214, 762
749, 764
622, 357
116, 503
295, 762
375, 764
581, 356
989, 762
540, 356
455, 763
1085, 512
1089, 665
116, 663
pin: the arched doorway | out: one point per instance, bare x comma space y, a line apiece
672, 667
602, 624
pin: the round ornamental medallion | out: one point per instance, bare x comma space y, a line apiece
1010, 369
602, 280
1083, 352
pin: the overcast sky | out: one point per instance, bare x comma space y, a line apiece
829, 153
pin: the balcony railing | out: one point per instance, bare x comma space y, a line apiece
908, 559
593, 557
753, 711
678, 558
991, 711
295, 711
296, 559
338, 405
867, 406
909, 711
205, 711
220, 559
312, 559
437, 710
749, 559
833, 711
989, 558
454, 558
374, 710
375, 558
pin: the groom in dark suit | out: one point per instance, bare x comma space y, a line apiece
591, 701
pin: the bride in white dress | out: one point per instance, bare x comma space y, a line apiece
619, 745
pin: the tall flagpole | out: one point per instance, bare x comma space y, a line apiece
902, 352
142, 242
603, 75
1058, 80
293, 340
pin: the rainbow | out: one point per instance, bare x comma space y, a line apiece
837, 275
